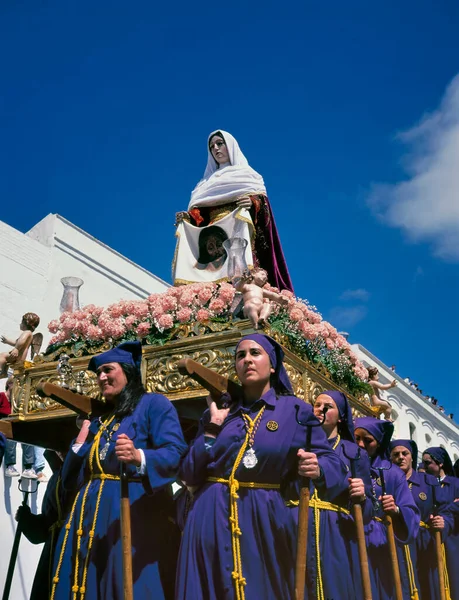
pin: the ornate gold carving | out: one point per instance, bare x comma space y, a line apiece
296, 377
163, 377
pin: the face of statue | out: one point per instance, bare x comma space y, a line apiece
214, 247
218, 149
253, 366
111, 379
401, 457
332, 416
431, 467
366, 441
260, 278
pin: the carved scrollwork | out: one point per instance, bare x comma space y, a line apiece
164, 378
36, 403
296, 378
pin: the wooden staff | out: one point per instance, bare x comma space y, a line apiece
303, 526
363, 556
126, 541
392, 546
440, 565
210, 380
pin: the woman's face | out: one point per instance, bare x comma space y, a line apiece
111, 379
366, 441
253, 366
431, 467
218, 149
402, 457
332, 417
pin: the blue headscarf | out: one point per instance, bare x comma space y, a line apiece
381, 430
346, 427
279, 380
409, 445
128, 353
441, 456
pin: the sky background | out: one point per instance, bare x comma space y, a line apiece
350, 111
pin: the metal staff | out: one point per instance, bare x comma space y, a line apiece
126, 545
17, 539
392, 546
303, 514
358, 520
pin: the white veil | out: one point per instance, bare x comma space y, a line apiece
221, 186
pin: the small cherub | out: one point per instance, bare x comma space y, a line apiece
21, 346
257, 301
376, 400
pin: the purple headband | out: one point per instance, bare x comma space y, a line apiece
441, 456
381, 430
280, 379
409, 445
128, 353
346, 427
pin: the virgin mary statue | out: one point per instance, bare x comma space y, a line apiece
229, 202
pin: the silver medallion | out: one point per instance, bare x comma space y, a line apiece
250, 459
104, 451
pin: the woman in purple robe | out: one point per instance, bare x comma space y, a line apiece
230, 184
333, 569
437, 462
143, 432
395, 500
421, 554
239, 541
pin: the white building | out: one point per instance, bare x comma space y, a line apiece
415, 417
32, 265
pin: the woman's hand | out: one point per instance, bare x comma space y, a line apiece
356, 490
181, 216
388, 505
244, 202
126, 451
22, 512
437, 522
84, 430
217, 415
308, 465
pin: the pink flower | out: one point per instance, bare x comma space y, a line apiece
187, 297
53, 327
287, 294
168, 302
141, 310
226, 293
94, 333
203, 315
205, 294
165, 321
143, 329
329, 343
217, 306
115, 310
296, 314
184, 315
130, 321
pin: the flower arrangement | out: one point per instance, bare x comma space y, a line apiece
156, 320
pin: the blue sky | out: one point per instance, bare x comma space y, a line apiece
105, 110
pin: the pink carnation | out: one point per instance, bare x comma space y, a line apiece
226, 293
53, 327
187, 297
217, 306
296, 314
94, 333
143, 329
184, 315
203, 315
329, 343
205, 294
140, 310
115, 310
168, 302
130, 321
165, 321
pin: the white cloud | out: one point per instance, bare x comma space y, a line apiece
359, 294
347, 317
426, 204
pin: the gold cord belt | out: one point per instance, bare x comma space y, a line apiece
245, 484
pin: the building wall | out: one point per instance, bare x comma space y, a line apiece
416, 418
31, 267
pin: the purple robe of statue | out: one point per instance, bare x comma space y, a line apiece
268, 533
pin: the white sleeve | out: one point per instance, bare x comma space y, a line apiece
143, 463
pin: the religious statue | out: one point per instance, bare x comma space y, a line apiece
257, 300
26, 339
376, 400
229, 202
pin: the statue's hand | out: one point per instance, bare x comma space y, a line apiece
14, 353
244, 202
181, 216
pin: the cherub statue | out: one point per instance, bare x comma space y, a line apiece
376, 400
257, 301
29, 323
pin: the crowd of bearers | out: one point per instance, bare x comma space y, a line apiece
243, 473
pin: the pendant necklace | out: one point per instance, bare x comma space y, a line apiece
103, 453
250, 458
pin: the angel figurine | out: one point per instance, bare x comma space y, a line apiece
26, 339
257, 300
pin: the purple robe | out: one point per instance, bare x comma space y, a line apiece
336, 533
268, 540
406, 527
425, 490
154, 427
449, 493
